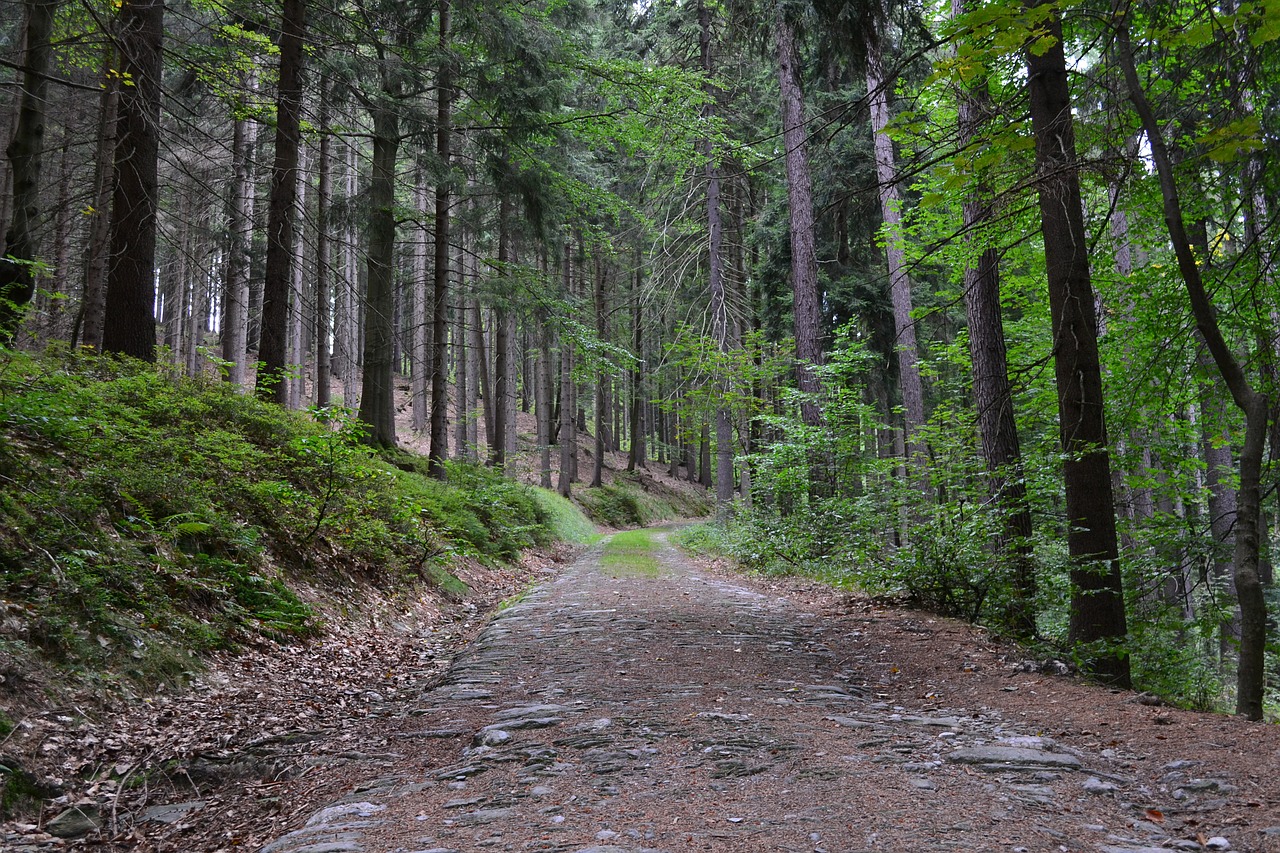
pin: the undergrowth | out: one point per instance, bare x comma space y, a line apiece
632, 501
146, 518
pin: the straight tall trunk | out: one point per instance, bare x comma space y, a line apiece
324, 252
598, 300
99, 250
807, 308
235, 299
992, 393
377, 400
296, 347
129, 318
715, 280
281, 209
502, 409
543, 405
904, 326
349, 290
439, 449
423, 316
567, 438
1097, 618
26, 155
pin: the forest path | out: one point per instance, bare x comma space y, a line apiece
638, 701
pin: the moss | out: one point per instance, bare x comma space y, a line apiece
146, 516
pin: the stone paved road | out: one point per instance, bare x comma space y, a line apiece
622, 711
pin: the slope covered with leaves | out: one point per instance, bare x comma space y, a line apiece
147, 519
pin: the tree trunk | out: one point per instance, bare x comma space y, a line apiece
635, 457
567, 437
597, 293
807, 310
904, 326
439, 449
273, 339
129, 318
544, 400
1251, 673
350, 290
1097, 605
992, 394
502, 409
235, 299
26, 154
296, 356
377, 399
462, 354
423, 316
715, 279
98, 264
324, 276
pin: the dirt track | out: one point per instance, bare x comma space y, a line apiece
685, 709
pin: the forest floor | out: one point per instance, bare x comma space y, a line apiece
649, 702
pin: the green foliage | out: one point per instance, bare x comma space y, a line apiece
145, 519
566, 521
630, 501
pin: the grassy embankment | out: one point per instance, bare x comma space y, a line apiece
146, 520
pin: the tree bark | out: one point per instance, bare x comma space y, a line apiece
635, 457
281, 209
502, 409
324, 252
807, 310
904, 326
597, 292
543, 404
377, 401
567, 437
129, 318
1097, 605
992, 394
423, 316
235, 299
104, 173
296, 355
439, 449
26, 155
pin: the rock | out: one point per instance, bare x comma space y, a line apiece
173, 812
531, 711
489, 736
923, 784
333, 814
1012, 755
849, 722
75, 822
1217, 843
483, 816
1094, 785
460, 772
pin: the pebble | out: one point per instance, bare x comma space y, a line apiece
1094, 785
